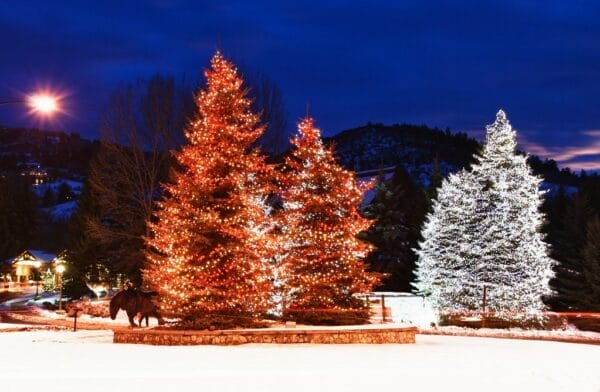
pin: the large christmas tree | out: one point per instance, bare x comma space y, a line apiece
324, 261
498, 244
208, 258
448, 253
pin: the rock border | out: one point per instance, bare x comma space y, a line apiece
299, 335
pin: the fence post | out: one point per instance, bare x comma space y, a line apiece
484, 303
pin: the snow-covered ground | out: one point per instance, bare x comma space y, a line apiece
61, 212
76, 186
89, 361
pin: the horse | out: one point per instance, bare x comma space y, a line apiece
135, 303
147, 308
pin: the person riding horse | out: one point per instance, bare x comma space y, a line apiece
136, 303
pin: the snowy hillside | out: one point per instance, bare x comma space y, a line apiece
415, 147
41, 189
418, 149
61, 212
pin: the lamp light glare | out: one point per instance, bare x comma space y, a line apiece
43, 103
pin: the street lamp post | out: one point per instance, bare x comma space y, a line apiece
44, 104
36, 278
60, 269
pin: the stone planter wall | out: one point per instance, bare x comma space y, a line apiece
325, 335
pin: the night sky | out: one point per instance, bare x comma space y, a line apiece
443, 64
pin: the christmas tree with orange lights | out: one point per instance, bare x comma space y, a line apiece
324, 263
208, 258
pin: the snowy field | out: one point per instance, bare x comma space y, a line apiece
88, 361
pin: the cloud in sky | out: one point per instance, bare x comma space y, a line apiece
592, 132
592, 165
576, 157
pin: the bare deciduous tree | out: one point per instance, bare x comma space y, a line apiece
268, 101
143, 123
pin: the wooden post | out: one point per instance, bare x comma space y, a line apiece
74, 312
382, 308
484, 303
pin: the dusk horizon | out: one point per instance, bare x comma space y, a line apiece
445, 66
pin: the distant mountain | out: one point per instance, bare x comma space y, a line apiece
53, 155
57, 153
375, 145
419, 148
53, 165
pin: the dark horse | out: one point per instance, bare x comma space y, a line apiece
136, 303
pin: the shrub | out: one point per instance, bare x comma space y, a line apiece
328, 316
93, 309
586, 324
212, 321
500, 321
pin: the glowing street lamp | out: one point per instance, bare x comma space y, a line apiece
41, 103
60, 268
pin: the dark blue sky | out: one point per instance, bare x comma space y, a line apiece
445, 64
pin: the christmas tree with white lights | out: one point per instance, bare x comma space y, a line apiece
208, 255
516, 268
323, 266
494, 217
447, 256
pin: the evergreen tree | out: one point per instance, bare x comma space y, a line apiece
324, 262
435, 181
48, 281
569, 238
515, 267
398, 209
83, 250
65, 193
49, 198
498, 244
448, 254
208, 255
18, 215
589, 299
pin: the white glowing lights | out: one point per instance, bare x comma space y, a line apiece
484, 232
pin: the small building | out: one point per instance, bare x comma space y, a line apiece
29, 266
